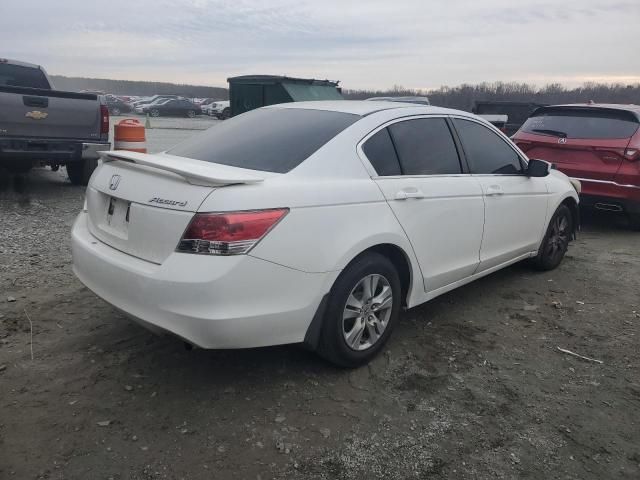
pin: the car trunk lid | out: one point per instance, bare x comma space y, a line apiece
141, 204
596, 159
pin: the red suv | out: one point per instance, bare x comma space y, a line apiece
597, 144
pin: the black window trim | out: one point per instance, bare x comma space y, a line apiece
374, 174
524, 162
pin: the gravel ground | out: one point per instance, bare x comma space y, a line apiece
471, 385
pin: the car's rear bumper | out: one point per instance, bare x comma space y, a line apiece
610, 195
210, 301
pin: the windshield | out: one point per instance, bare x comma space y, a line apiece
582, 123
270, 140
19, 76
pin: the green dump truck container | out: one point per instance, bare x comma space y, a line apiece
254, 91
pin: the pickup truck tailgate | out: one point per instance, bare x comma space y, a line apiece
51, 114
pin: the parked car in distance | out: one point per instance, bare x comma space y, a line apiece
420, 100
220, 109
315, 223
598, 144
516, 112
154, 99
43, 126
116, 106
171, 107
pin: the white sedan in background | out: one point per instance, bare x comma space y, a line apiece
315, 223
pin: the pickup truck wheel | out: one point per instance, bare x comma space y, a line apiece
155, 112
80, 172
226, 113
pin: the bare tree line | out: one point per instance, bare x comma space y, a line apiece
463, 96
130, 87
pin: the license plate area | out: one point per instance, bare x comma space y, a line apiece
117, 217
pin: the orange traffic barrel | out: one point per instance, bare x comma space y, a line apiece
129, 134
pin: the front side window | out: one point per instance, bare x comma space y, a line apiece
425, 147
485, 151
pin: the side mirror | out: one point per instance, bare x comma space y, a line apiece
538, 168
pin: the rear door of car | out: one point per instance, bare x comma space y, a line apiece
438, 204
583, 142
515, 204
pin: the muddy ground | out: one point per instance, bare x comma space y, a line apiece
471, 385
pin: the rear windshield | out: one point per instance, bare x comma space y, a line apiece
270, 140
582, 123
19, 76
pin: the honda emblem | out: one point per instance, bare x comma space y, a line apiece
115, 181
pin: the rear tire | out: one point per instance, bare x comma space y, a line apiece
363, 308
80, 172
556, 240
226, 113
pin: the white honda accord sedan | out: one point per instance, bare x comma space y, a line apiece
315, 223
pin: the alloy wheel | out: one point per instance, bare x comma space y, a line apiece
558, 240
367, 311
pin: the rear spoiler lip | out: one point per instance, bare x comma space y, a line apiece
195, 172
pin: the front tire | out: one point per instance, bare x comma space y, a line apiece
363, 308
80, 172
155, 112
556, 240
191, 114
226, 113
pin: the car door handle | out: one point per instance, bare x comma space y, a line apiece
493, 190
407, 193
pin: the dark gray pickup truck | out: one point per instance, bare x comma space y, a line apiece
40, 125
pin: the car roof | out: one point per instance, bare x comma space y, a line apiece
367, 107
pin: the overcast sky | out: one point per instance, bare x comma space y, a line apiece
365, 43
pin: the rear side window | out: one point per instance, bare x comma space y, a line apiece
380, 152
485, 151
19, 76
425, 147
270, 139
582, 123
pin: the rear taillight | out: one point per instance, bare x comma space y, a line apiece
232, 233
104, 120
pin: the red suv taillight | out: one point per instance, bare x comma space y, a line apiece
233, 233
104, 120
